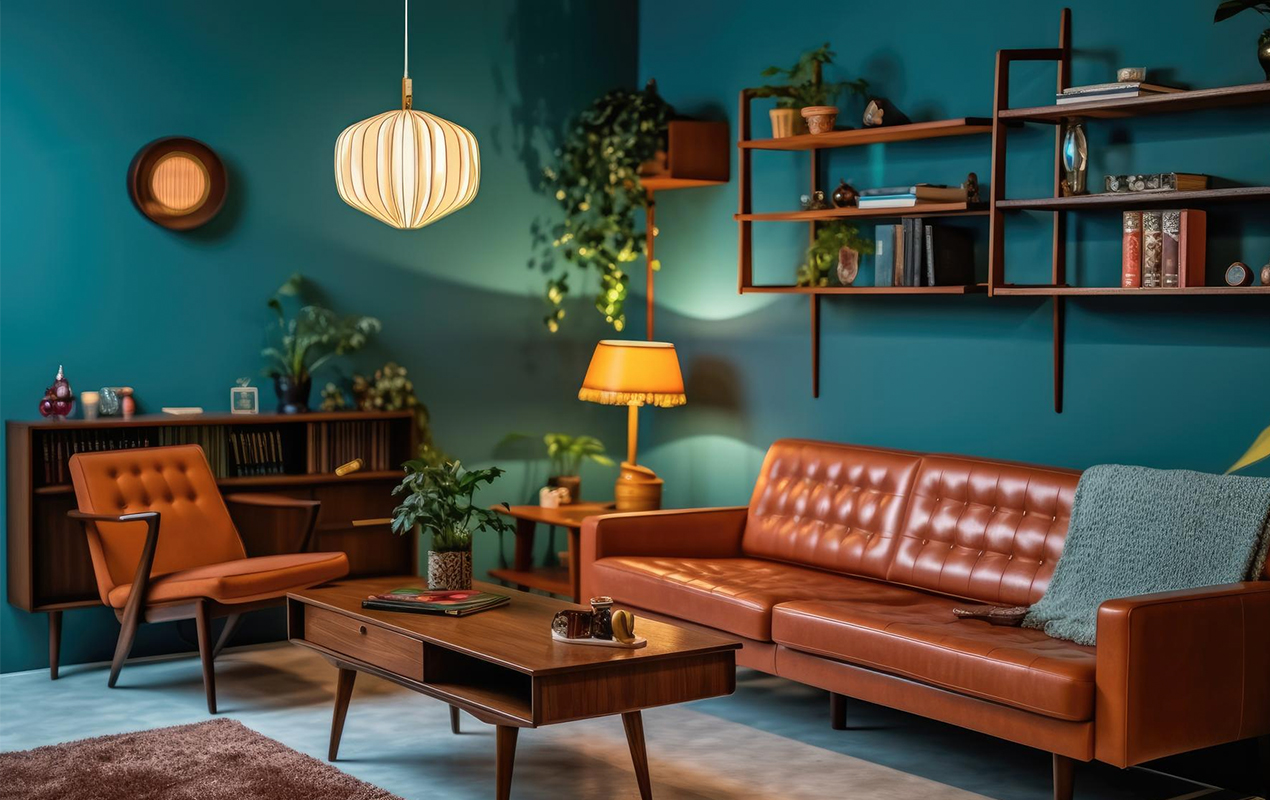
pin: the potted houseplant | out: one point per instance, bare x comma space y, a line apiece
306, 341
437, 498
826, 253
567, 454
805, 94
1230, 8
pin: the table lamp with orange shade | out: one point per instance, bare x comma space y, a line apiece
633, 374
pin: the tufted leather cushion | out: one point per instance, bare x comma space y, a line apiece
241, 581
730, 594
830, 506
987, 530
915, 635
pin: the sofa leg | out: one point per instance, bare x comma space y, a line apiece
1263, 764
1064, 774
838, 711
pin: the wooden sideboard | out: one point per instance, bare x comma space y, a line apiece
49, 569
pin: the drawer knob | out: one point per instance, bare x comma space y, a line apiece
362, 630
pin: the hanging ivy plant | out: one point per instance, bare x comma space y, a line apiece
596, 181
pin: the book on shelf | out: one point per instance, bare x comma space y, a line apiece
1163, 249
897, 270
1111, 91
950, 256
908, 196
884, 255
453, 603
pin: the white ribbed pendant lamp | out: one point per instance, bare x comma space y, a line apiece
406, 168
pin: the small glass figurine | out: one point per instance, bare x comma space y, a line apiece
108, 404
59, 400
1075, 159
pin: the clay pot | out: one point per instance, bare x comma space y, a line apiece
820, 119
450, 570
786, 122
571, 482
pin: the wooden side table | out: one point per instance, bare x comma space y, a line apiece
522, 574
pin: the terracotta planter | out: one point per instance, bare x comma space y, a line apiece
786, 122
450, 570
820, 119
571, 482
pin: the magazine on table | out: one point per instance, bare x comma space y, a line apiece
452, 602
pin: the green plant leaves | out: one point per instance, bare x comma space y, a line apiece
802, 85
314, 335
437, 498
1230, 8
822, 256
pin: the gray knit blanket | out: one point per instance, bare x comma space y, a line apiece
1136, 531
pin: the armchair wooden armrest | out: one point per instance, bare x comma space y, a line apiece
283, 503
1182, 670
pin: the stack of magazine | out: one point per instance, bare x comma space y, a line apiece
454, 603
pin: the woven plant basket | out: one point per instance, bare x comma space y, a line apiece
450, 570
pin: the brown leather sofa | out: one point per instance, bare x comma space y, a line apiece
843, 571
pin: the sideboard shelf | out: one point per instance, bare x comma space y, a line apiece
851, 212
1112, 201
936, 129
1116, 291
1173, 102
977, 288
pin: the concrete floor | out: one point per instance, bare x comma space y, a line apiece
770, 740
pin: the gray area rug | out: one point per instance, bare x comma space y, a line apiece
216, 760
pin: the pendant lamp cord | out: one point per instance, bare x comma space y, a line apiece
405, 55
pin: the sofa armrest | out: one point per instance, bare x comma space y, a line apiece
1177, 671
680, 533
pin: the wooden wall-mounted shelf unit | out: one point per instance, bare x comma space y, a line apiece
48, 564
1003, 118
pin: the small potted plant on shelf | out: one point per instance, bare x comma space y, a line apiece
567, 454
306, 342
835, 252
806, 94
438, 500
1230, 8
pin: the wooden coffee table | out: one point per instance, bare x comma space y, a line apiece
502, 666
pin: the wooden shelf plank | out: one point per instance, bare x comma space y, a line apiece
1116, 291
920, 210
1222, 97
265, 480
662, 183
825, 290
173, 420
936, 129
1117, 200
546, 579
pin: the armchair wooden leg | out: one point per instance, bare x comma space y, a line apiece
454, 719
1064, 777
55, 642
130, 622
231, 625
1263, 763
838, 711
204, 623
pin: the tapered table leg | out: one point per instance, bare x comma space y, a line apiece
55, 642
343, 693
506, 742
634, 724
838, 711
454, 719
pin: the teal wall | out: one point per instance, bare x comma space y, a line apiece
86, 281
1162, 382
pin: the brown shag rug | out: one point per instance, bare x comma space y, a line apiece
216, 760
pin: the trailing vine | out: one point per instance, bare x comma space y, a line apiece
596, 182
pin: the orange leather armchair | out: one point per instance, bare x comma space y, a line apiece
164, 547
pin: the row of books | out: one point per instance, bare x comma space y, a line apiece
256, 450
1111, 91
59, 446
918, 254
910, 196
332, 444
1163, 249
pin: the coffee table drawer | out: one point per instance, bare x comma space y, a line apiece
364, 641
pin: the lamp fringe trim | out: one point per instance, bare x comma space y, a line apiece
632, 398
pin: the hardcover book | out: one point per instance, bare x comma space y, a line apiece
1171, 225
1152, 244
883, 255
1131, 251
1192, 245
455, 603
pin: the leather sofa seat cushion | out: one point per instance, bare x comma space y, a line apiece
729, 594
915, 635
241, 581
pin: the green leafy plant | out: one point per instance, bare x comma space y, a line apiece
438, 499
596, 182
1230, 8
313, 336
389, 389
804, 85
567, 452
822, 255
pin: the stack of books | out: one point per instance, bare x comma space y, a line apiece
1163, 249
917, 254
1111, 91
909, 196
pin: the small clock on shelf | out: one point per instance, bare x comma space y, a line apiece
1238, 274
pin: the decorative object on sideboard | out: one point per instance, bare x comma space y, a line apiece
108, 404
407, 168
634, 374
177, 183
1122, 89
306, 341
1229, 8
845, 195
553, 496
58, 401
244, 399
89, 402
182, 411
1238, 274
1156, 182
814, 201
805, 97
1265, 274
388, 389
882, 112
972, 188
437, 499
825, 253
848, 265
349, 467
127, 401
1075, 158
1131, 74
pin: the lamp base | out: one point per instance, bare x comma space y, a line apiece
637, 489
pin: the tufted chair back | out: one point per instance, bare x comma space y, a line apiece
985, 530
194, 530
830, 506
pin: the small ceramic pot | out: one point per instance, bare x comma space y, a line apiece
450, 571
786, 122
1263, 52
570, 483
293, 395
820, 119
